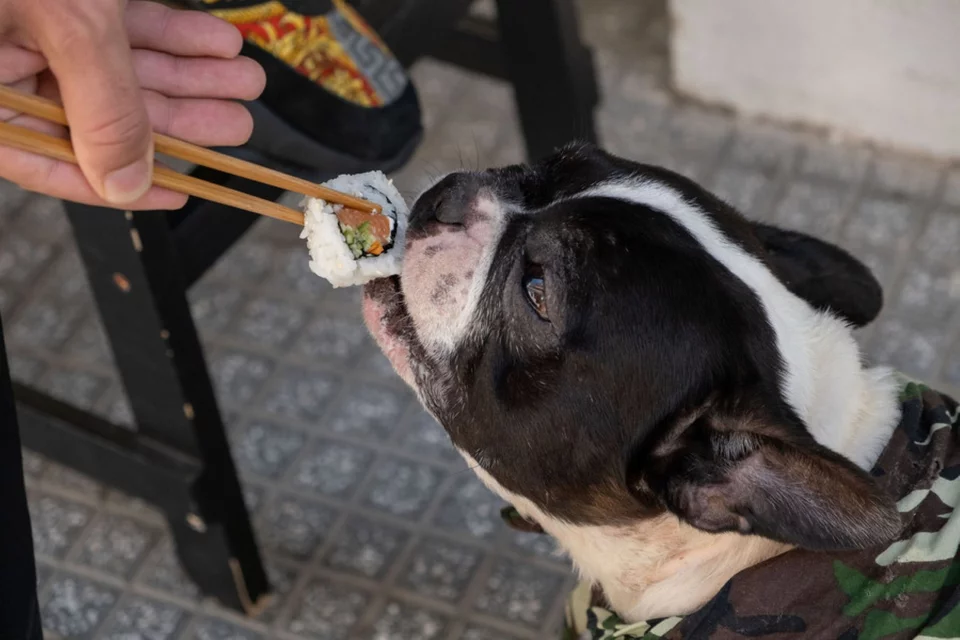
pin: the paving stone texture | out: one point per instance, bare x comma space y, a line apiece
371, 525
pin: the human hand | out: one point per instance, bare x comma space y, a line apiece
121, 70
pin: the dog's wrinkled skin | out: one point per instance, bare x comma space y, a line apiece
642, 371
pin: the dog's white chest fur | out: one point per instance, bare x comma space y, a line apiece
657, 569
663, 567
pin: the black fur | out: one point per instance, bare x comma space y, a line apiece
656, 362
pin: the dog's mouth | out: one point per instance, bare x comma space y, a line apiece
388, 320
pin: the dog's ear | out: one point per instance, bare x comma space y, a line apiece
824, 275
717, 476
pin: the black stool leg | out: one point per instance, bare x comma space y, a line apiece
551, 72
134, 272
19, 609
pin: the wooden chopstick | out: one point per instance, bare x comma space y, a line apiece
61, 149
48, 110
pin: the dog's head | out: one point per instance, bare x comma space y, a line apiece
611, 341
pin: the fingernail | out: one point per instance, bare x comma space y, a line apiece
129, 183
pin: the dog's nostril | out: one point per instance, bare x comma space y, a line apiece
449, 211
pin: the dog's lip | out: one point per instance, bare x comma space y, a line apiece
387, 318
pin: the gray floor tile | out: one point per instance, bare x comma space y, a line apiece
291, 274
836, 162
372, 414
76, 387
75, 606
817, 209
89, 344
246, 262
67, 280
762, 145
21, 259
332, 468
470, 508
25, 369
265, 448
216, 629
43, 219
519, 592
33, 465
366, 548
537, 544
401, 488
163, 572
44, 573
44, 324
483, 633
215, 306
301, 393
332, 340
12, 198
270, 323
952, 368
326, 611
423, 436
878, 231
405, 622
900, 345
938, 242
116, 545
238, 376
901, 176
295, 526
441, 569
66, 479
928, 297
951, 191
745, 189
57, 523
138, 618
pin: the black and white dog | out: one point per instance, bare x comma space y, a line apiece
643, 372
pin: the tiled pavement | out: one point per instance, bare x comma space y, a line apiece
371, 526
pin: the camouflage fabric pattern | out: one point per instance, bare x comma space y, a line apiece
909, 589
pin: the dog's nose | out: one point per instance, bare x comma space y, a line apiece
447, 201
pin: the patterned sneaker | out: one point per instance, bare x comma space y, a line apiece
335, 95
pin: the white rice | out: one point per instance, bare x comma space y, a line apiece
330, 257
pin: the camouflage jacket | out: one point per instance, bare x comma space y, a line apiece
909, 589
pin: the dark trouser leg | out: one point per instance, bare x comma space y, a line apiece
19, 610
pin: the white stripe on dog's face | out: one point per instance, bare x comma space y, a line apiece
787, 314
444, 273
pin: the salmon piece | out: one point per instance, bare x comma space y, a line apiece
379, 223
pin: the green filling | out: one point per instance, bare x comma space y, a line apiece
359, 239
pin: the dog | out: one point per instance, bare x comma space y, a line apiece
671, 391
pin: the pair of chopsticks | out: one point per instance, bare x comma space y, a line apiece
61, 149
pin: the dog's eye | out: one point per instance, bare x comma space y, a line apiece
535, 288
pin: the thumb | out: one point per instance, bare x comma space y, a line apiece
88, 52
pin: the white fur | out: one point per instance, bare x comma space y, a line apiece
656, 569
663, 567
847, 409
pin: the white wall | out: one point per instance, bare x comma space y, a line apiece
884, 70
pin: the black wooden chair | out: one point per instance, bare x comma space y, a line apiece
141, 264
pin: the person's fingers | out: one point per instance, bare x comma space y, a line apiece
185, 33
237, 79
66, 181
208, 123
17, 63
27, 85
87, 49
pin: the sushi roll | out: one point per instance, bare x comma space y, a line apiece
349, 247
